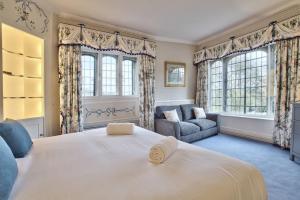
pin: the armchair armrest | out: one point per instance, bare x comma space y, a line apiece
212, 116
167, 128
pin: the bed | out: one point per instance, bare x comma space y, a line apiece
92, 165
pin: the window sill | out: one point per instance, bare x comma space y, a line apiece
271, 118
109, 98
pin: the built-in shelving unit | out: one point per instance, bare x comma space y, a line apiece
22, 74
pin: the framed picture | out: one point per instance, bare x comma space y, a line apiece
175, 74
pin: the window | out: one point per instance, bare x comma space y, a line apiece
216, 87
235, 97
88, 62
128, 79
245, 82
107, 74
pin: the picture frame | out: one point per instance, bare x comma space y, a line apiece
175, 74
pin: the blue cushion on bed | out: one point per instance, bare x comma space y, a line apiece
16, 136
8, 170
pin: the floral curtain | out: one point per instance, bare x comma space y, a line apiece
70, 39
276, 31
288, 88
70, 88
201, 88
146, 94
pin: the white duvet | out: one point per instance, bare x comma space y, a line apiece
93, 166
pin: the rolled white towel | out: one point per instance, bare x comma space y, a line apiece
163, 150
120, 128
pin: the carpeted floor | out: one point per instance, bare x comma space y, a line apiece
282, 176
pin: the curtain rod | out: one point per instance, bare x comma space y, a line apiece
82, 25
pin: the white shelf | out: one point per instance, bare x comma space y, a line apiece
23, 80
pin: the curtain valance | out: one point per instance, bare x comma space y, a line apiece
76, 35
287, 29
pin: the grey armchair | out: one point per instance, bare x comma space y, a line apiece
188, 129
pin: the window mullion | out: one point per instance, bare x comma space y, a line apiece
224, 85
245, 82
268, 81
99, 74
208, 86
120, 75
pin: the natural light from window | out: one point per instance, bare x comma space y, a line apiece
243, 84
108, 74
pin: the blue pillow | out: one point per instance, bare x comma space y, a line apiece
8, 170
16, 137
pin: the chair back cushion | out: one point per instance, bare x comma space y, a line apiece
16, 137
172, 115
187, 111
159, 114
199, 113
8, 170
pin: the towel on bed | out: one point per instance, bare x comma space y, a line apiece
161, 151
120, 128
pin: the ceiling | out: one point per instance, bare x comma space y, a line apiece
187, 21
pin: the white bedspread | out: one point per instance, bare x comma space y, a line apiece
94, 166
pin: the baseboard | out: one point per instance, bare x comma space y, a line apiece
246, 134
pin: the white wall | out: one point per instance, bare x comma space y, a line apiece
176, 52
255, 128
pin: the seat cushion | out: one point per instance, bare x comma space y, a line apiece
161, 109
187, 111
204, 124
187, 128
16, 137
8, 170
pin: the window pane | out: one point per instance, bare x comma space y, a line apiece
235, 94
128, 77
256, 84
88, 63
216, 87
109, 75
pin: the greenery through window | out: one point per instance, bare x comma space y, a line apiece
216, 86
244, 83
107, 74
88, 63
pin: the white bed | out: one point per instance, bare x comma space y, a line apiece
93, 166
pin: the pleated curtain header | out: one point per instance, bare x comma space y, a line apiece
79, 35
276, 31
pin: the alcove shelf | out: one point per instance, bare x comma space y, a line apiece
22, 74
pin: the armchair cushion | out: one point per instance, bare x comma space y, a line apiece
159, 114
187, 128
204, 124
172, 116
187, 111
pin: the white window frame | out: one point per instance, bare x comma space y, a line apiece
98, 83
95, 70
270, 61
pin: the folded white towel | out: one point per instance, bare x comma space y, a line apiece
120, 128
161, 151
